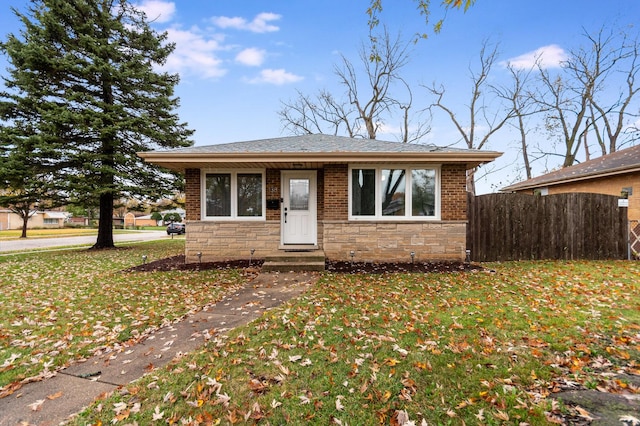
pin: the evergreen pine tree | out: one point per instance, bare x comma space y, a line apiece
85, 89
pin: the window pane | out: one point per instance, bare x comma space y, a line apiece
249, 194
299, 194
423, 193
218, 193
393, 192
363, 192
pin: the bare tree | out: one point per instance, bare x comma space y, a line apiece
479, 111
363, 107
615, 118
577, 99
522, 105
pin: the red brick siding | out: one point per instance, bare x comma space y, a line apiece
336, 192
320, 195
453, 188
274, 191
333, 192
192, 194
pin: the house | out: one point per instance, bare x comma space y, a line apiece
79, 220
617, 173
131, 220
40, 219
352, 198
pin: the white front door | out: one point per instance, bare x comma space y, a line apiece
299, 214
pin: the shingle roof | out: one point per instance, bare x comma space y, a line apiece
623, 161
315, 143
311, 151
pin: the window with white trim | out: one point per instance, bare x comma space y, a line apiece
233, 194
384, 192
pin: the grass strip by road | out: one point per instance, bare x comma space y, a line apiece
63, 306
14, 234
357, 349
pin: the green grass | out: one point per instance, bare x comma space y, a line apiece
63, 306
14, 234
478, 348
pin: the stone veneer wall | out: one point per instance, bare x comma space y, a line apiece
231, 240
372, 241
394, 241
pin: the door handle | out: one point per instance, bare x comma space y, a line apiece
285, 215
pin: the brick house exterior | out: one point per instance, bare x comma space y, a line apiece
612, 174
42, 219
400, 221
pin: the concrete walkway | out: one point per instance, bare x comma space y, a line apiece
77, 386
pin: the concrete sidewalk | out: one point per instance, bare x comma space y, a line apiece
75, 387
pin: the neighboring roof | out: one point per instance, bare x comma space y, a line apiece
180, 211
55, 215
619, 162
308, 151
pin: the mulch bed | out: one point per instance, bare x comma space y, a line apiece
176, 263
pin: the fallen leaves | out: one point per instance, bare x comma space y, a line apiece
414, 349
36, 406
54, 396
57, 309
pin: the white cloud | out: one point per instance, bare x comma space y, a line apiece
157, 10
550, 56
277, 77
260, 23
194, 54
251, 57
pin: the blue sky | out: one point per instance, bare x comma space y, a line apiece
238, 59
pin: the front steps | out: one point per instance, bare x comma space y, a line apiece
294, 261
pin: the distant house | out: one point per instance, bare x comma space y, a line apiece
617, 173
41, 219
379, 200
132, 219
79, 220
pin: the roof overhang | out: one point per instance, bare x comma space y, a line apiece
536, 184
179, 162
55, 215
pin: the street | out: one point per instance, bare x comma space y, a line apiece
42, 243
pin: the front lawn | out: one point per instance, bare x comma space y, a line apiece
486, 347
66, 305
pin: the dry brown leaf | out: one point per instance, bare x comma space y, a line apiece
583, 413
501, 415
54, 396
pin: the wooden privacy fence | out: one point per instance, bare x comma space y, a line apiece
562, 226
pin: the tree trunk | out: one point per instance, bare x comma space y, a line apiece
25, 221
471, 181
105, 223
107, 154
525, 148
